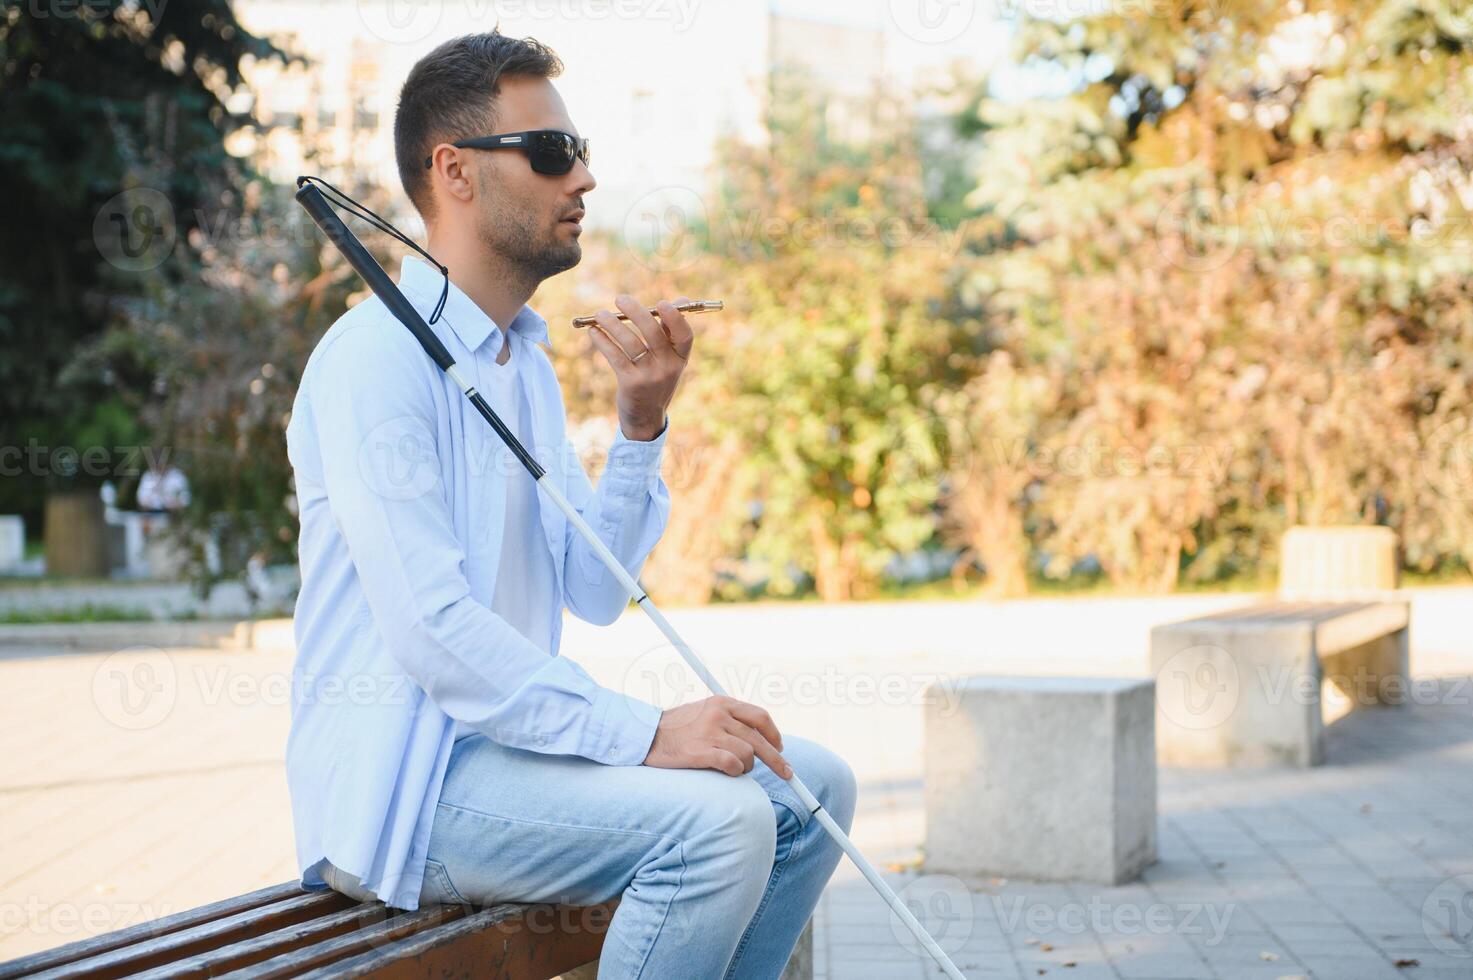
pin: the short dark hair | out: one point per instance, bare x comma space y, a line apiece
450, 94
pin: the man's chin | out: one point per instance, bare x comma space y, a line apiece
562, 258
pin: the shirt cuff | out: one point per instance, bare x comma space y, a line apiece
623, 729
633, 468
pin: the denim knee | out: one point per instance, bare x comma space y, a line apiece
830, 779
733, 819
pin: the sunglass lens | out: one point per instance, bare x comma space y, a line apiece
553, 153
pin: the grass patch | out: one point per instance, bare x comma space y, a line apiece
86, 613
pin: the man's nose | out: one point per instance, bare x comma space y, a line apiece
583, 181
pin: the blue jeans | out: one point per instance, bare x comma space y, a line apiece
718, 874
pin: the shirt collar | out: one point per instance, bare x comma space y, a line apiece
423, 282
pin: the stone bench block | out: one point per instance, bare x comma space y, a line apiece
1244, 688
1042, 778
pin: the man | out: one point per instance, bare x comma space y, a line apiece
441, 750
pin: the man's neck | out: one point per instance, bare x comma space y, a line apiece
499, 289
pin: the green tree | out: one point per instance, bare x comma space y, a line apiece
1243, 235
846, 339
112, 130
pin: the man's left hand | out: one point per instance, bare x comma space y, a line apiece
646, 359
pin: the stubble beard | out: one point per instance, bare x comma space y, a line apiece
527, 245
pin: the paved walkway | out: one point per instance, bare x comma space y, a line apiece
143, 782
1360, 869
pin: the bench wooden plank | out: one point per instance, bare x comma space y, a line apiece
286, 940
150, 953
492, 944
375, 936
96, 945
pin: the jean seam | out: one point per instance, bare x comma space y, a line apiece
665, 915
777, 873
679, 846
443, 874
553, 823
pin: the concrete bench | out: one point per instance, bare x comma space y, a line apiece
1244, 687
1046, 778
284, 931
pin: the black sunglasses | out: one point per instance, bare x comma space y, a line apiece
550, 151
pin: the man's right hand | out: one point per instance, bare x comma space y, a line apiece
719, 733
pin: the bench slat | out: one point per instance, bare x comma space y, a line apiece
295, 962
206, 936
282, 941
96, 945
492, 944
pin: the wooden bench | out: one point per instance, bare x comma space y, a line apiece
1244, 687
285, 931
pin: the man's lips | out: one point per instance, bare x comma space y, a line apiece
575, 219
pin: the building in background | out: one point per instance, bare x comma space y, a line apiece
654, 84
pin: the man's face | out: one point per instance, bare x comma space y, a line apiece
527, 217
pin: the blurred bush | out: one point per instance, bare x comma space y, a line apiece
1217, 288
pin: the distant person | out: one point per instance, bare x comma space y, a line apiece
457, 756
163, 490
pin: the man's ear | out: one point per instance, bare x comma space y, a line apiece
448, 172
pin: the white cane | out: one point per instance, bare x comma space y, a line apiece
366, 266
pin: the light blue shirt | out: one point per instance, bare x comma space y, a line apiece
402, 489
